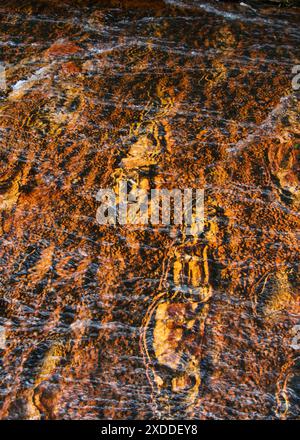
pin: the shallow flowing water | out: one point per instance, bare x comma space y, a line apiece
132, 321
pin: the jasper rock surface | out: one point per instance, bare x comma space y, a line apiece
131, 321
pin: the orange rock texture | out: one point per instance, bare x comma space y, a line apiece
131, 321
